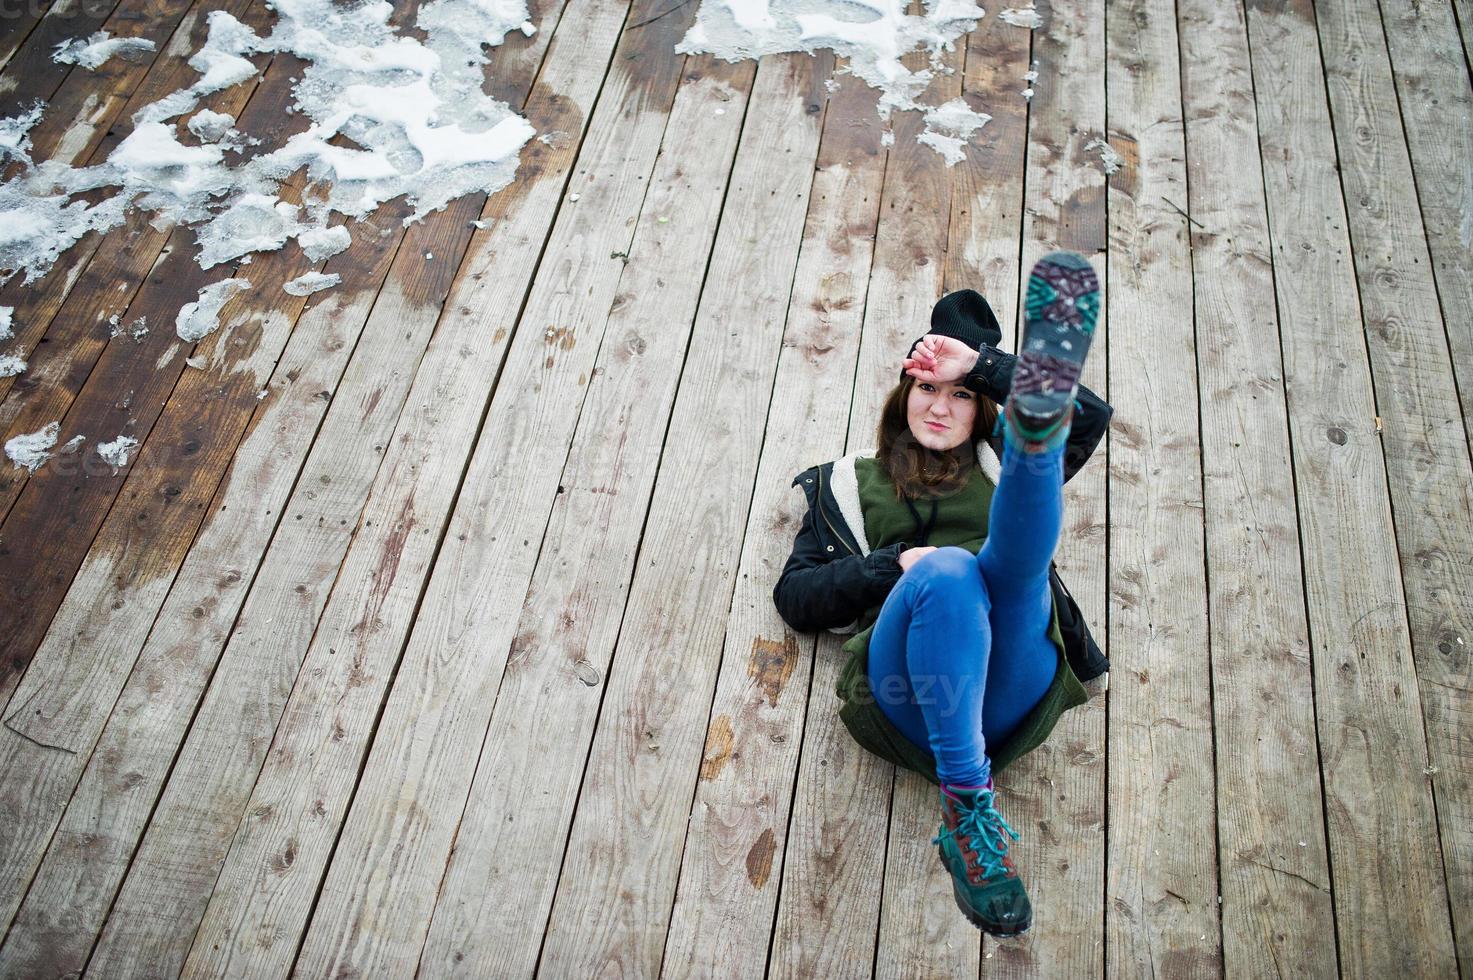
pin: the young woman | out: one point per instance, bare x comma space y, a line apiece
936, 551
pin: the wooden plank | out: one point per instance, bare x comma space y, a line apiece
64, 699
86, 119
1055, 795
15, 27
1436, 105
625, 414
548, 701
211, 782
1425, 441
74, 886
426, 463
921, 931
1435, 98
1276, 905
637, 788
1372, 745
29, 71
1161, 869
538, 742
1463, 14
731, 867
983, 242
59, 509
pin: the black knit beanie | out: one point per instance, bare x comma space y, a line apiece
965, 316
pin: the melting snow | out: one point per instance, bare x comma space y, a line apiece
95, 50
874, 41
1022, 17
312, 282
116, 453
949, 126
412, 113
201, 318
1108, 157
6, 322
11, 365
319, 244
15, 138
34, 448
211, 126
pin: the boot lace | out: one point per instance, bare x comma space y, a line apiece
985, 828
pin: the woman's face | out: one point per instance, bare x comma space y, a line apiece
941, 415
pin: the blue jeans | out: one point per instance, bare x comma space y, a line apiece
960, 653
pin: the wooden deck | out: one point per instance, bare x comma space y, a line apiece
455, 652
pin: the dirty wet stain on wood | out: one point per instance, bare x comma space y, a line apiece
347, 601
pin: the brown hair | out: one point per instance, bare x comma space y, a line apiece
919, 472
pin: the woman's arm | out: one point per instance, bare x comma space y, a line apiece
992, 376
819, 591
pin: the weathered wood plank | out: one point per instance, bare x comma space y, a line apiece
427, 460
105, 817
212, 780
1274, 866
983, 242
453, 700
741, 301
1436, 106
1371, 737
734, 850
29, 71
547, 705
1425, 438
15, 28
1162, 863
1055, 795
1435, 98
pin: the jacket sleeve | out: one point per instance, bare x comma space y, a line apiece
819, 591
993, 376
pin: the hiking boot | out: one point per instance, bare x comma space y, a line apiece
973, 845
1062, 305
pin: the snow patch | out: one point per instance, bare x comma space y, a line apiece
873, 34
1110, 160
949, 127
319, 244
201, 318
312, 282
11, 365
97, 49
15, 133
7, 322
413, 114
116, 453
210, 126
1022, 17
33, 448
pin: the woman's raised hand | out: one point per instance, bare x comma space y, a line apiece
939, 359
910, 556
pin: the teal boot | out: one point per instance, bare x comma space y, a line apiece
973, 845
1062, 305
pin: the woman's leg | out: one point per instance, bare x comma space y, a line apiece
928, 661
1022, 533
960, 653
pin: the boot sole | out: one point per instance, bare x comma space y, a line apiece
1060, 313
